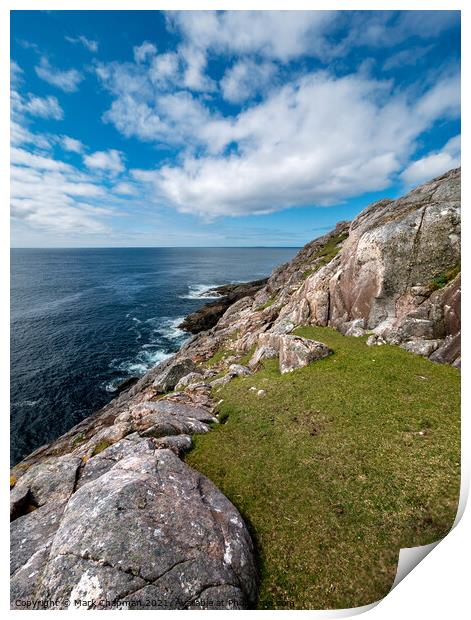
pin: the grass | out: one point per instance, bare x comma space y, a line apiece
219, 356
326, 254
79, 438
268, 303
337, 467
100, 446
442, 279
222, 354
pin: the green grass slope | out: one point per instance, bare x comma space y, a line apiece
336, 467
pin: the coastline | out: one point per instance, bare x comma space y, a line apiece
149, 426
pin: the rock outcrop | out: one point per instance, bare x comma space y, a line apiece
396, 275
209, 314
126, 524
109, 514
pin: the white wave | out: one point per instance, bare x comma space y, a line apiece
171, 329
108, 386
26, 403
151, 353
200, 291
138, 366
166, 327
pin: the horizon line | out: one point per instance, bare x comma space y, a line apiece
159, 247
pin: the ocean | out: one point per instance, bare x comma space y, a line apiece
83, 320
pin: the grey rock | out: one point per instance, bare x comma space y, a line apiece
51, 480
297, 352
375, 340
355, 328
190, 378
168, 378
262, 352
224, 380
449, 352
168, 417
149, 533
133, 445
421, 347
177, 443
237, 370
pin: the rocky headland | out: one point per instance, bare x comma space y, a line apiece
209, 314
110, 515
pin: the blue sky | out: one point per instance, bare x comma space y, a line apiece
144, 128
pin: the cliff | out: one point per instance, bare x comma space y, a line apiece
110, 514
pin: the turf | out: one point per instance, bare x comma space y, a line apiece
336, 467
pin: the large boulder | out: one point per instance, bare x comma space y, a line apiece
167, 417
167, 380
293, 351
296, 352
143, 531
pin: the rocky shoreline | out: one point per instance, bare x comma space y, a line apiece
109, 515
209, 314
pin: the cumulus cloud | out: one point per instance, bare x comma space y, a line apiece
281, 35
194, 76
67, 81
164, 71
434, 164
124, 79
335, 138
107, 161
125, 188
44, 107
38, 162
19, 135
50, 194
89, 44
71, 144
144, 52
245, 79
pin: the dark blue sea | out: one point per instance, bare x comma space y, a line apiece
83, 320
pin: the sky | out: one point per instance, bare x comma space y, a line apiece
149, 128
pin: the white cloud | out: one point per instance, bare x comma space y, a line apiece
54, 196
125, 189
123, 79
407, 57
245, 79
108, 161
22, 157
194, 76
19, 134
15, 73
383, 29
167, 118
434, 164
442, 99
144, 52
44, 107
335, 138
164, 72
281, 35
89, 44
71, 144
67, 81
